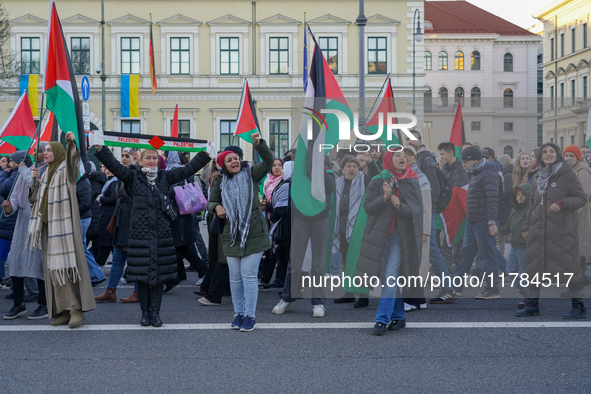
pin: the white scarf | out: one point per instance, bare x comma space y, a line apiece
355, 196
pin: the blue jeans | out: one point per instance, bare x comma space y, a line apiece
119, 259
479, 242
244, 283
516, 264
435, 257
391, 306
95, 271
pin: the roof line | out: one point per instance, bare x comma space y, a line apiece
432, 3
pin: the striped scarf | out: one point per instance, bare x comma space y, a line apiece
237, 201
60, 254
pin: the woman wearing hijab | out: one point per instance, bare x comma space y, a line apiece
183, 231
23, 262
151, 256
55, 225
551, 230
245, 235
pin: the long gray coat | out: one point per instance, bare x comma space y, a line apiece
584, 174
553, 239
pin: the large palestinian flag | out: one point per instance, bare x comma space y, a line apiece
246, 123
458, 136
377, 121
19, 129
322, 93
61, 90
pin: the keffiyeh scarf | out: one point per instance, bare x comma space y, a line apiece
544, 176
237, 201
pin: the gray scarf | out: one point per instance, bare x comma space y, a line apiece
151, 174
544, 176
355, 196
237, 201
477, 166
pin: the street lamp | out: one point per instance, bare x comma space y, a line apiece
417, 36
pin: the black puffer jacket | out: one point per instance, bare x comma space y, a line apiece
151, 256
108, 202
428, 164
83, 194
483, 194
183, 227
456, 174
280, 209
123, 216
97, 180
7, 224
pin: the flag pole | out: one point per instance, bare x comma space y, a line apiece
377, 98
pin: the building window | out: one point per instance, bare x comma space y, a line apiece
80, 50
475, 61
475, 97
508, 62
552, 48
507, 126
572, 139
540, 82
428, 124
30, 55
184, 128
561, 142
428, 95
376, 55
562, 95
330, 49
459, 60
226, 133
443, 60
551, 97
428, 61
552, 140
443, 97
130, 55
278, 55
279, 136
459, 92
507, 98
229, 55
585, 87
561, 44
508, 150
540, 134
180, 55
475, 125
584, 35
572, 40
572, 92
130, 126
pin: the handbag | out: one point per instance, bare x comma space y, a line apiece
112, 225
189, 198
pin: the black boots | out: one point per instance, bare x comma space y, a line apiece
143, 292
155, 301
578, 310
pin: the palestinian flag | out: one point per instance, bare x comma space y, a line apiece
323, 92
153, 81
453, 219
377, 123
174, 128
20, 128
458, 136
246, 123
6, 149
143, 141
48, 132
61, 90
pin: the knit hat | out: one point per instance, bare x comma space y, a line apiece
235, 149
222, 156
575, 150
19, 156
471, 153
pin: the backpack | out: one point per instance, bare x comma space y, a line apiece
445, 187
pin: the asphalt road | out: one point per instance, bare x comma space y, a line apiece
416, 359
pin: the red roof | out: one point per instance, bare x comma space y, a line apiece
463, 17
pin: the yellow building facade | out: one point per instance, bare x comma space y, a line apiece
204, 50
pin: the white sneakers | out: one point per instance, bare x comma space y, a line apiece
198, 283
281, 307
318, 311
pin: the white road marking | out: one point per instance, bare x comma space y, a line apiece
287, 326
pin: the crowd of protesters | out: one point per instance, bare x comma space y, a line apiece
381, 216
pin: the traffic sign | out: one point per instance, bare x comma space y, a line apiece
85, 88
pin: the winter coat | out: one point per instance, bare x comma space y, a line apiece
258, 234
83, 193
97, 180
183, 227
151, 256
428, 165
482, 202
108, 202
280, 210
409, 222
583, 172
553, 238
122, 216
505, 193
514, 225
7, 179
456, 174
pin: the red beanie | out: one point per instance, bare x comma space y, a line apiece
575, 150
222, 156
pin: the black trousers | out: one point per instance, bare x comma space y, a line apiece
189, 252
18, 288
96, 246
103, 255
